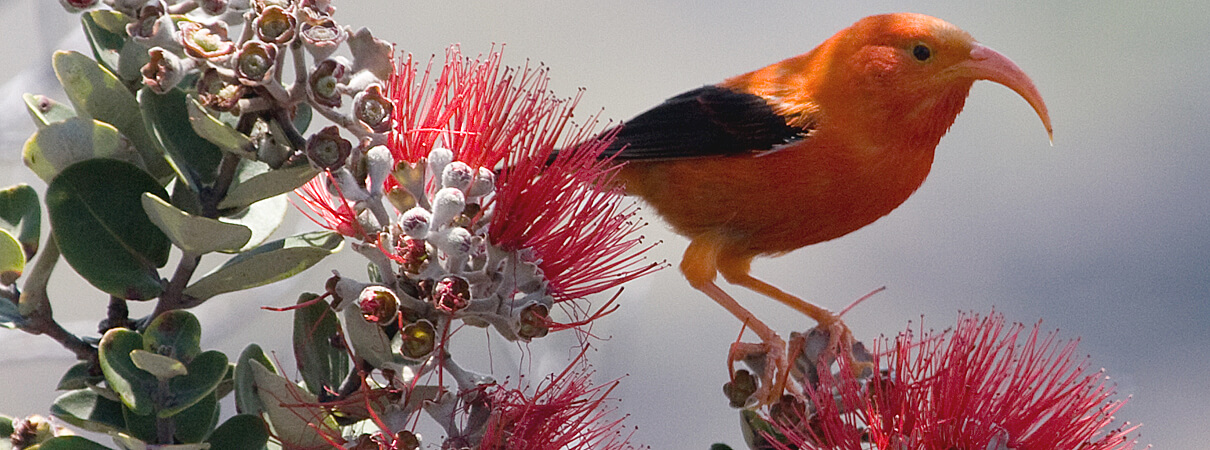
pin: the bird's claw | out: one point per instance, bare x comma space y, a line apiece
768, 359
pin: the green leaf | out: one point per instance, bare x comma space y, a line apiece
162, 367
218, 132
141, 427
167, 121
87, 409
240, 432
368, 341
96, 92
195, 424
194, 234
205, 373
21, 216
10, 315
246, 399
60, 144
132, 384
321, 364
79, 376
302, 117
12, 261
175, 333
255, 181
106, 43
97, 217
45, 110
70, 443
262, 218
293, 413
267, 263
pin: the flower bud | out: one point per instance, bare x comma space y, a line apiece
448, 203
485, 183
373, 109
77, 5
219, 92
438, 158
205, 41
254, 63
327, 150
163, 70
457, 175
378, 305
275, 26
324, 82
419, 339
534, 322
415, 223
741, 388
452, 293
213, 7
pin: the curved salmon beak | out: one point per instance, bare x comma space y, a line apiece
988, 64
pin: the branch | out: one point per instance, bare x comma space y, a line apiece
34, 305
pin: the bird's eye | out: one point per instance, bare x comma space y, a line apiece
921, 52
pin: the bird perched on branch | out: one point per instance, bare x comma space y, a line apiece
805, 150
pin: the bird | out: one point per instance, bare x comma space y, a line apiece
803, 151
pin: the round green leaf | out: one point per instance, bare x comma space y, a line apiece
175, 333
21, 216
321, 364
45, 110
60, 144
132, 384
194, 234
255, 181
167, 120
87, 409
294, 414
12, 259
240, 432
79, 376
205, 373
267, 263
70, 443
218, 132
246, 399
139, 426
195, 423
262, 218
106, 43
96, 213
162, 367
96, 92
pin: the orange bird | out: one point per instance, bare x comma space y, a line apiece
805, 150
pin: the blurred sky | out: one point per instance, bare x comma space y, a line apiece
1105, 236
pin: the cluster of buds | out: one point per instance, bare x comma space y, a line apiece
236, 54
483, 207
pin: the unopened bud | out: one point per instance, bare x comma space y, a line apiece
485, 183
415, 222
448, 203
741, 388
457, 175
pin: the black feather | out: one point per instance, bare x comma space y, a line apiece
707, 121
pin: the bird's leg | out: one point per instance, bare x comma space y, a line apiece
735, 271
699, 268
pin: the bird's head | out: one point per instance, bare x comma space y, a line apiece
914, 68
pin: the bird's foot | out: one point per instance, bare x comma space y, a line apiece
768, 359
820, 347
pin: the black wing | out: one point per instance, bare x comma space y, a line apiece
707, 121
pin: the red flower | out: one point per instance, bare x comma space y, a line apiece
566, 412
977, 387
478, 109
333, 212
